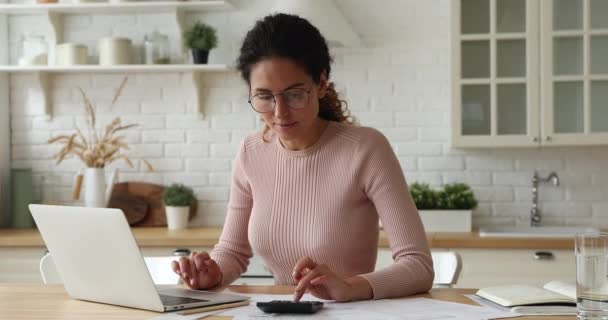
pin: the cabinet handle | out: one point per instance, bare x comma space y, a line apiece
548, 138
543, 255
535, 139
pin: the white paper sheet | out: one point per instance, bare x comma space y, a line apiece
412, 309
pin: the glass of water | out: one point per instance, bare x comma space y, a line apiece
592, 275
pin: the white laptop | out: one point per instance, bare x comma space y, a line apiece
98, 259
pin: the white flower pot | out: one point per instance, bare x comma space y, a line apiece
446, 220
177, 217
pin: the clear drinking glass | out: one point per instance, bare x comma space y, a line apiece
34, 50
591, 251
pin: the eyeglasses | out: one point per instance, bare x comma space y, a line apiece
295, 98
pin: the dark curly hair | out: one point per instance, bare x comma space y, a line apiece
293, 37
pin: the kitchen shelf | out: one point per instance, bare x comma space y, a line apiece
118, 68
53, 17
43, 76
122, 7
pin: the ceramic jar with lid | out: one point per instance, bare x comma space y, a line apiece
69, 54
113, 51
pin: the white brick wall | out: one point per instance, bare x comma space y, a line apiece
398, 83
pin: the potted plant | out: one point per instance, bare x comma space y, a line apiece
200, 38
446, 210
97, 147
178, 199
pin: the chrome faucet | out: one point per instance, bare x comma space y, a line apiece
535, 217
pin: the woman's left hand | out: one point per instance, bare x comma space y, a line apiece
323, 283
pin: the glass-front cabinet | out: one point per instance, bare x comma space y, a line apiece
529, 72
574, 72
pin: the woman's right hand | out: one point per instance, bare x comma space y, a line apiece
198, 271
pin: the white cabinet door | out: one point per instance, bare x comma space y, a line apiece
529, 73
21, 265
495, 73
575, 72
256, 271
491, 267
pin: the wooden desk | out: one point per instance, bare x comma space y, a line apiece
34, 301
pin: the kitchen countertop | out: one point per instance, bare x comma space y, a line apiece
208, 237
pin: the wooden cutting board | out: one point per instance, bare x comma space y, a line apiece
142, 203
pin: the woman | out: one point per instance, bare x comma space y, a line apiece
307, 192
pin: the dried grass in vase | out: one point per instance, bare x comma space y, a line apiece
99, 147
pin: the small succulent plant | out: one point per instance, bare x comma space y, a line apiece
178, 195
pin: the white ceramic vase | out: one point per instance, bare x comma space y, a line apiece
94, 187
97, 190
177, 217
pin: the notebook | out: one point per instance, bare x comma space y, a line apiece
555, 297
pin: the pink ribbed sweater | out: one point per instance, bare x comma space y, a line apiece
324, 202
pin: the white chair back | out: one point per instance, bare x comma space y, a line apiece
446, 265
48, 271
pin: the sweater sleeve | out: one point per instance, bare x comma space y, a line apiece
384, 184
233, 251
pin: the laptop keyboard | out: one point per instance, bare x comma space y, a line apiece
173, 300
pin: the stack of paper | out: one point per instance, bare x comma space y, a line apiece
414, 309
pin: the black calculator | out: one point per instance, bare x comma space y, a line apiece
286, 306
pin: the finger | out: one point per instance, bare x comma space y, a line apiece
204, 254
305, 282
175, 267
305, 262
199, 262
184, 266
321, 280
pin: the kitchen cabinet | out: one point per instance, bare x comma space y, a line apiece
256, 274
486, 260
529, 73
22, 265
491, 267
481, 267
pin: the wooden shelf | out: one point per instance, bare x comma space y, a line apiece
53, 19
118, 68
43, 75
123, 7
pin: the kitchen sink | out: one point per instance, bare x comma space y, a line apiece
534, 232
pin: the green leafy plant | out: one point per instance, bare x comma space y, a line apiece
455, 196
178, 195
200, 36
424, 197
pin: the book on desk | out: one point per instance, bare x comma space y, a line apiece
555, 297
